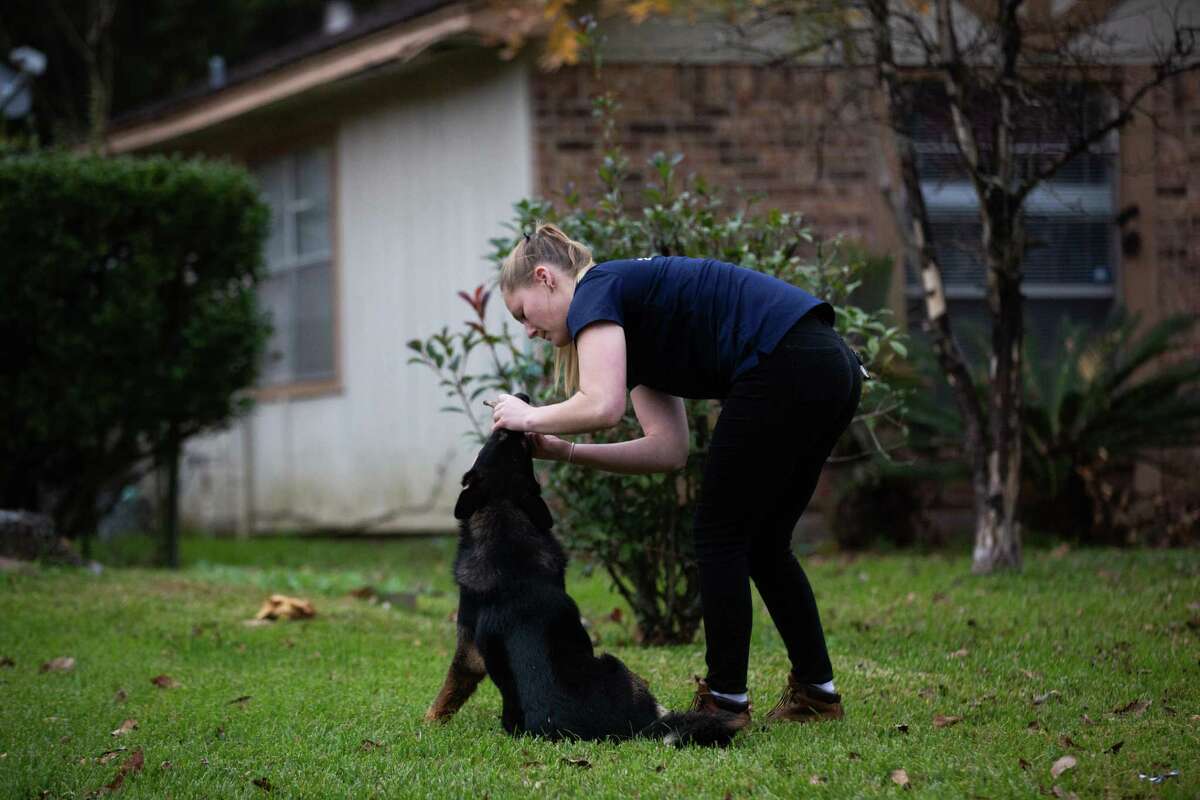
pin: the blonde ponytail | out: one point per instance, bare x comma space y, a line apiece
549, 245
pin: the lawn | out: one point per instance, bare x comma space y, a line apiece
1088, 654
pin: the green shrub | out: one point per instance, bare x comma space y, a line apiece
638, 528
129, 318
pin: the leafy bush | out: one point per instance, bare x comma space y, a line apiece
129, 319
639, 527
1097, 403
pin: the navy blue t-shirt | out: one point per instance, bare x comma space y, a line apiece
692, 326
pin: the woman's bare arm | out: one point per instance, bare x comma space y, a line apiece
663, 448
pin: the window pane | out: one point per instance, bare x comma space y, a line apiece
314, 322
271, 178
312, 231
275, 295
312, 174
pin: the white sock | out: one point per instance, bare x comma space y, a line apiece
827, 686
736, 698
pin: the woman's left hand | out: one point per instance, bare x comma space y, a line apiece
511, 413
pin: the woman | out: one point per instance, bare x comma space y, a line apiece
666, 328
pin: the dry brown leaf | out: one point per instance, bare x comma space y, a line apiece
942, 721
1024, 764
132, 764
1058, 791
120, 696
280, 606
60, 664
165, 682
853, 756
126, 726
368, 745
5, 661
1042, 698
1060, 551
1033, 676
1088, 720
1066, 741
1034, 726
165, 765
1115, 747
1135, 707
616, 615
109, 755
900, 778
817, 780
580, 762
1062, 765
902, 727
262, 783
960, 653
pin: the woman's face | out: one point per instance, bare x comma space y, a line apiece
541, 307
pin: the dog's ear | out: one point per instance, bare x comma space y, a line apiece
524, 398
531, 503
472, 497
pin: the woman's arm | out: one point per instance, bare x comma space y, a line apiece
600, 401
664, 447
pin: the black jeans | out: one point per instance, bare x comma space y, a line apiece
776, 428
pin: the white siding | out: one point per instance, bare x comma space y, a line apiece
424, 179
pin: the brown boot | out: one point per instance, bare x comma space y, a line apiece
804, 703
705, 702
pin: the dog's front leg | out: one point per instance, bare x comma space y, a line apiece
463, 677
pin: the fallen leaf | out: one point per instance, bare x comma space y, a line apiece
280, 606
1062, 765
60, 664
853, 756
165, 765
1034, 726
660, 768
902, 727
240, 700
132, 764
616, 615
126, 726
900, 778
817, 780
961, 653
941, 721
1088, 720
581, 762
1024, 764
1135, 707
368, 745
120, 696
927, 693
165, 682
1058, 791
262, 783
1033, 676
363, 593
1115, 747
1066, 741
1060, 551
109, 755
5, 661
1042, 698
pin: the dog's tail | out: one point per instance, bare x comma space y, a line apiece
681, 728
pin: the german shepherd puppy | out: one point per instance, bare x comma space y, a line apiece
518, 625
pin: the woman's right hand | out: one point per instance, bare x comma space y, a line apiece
549, 447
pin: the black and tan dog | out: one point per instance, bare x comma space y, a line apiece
518, 625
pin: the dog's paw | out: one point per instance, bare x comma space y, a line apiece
435, 714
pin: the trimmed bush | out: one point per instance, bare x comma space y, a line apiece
129, 319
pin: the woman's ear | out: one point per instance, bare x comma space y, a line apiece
545, 275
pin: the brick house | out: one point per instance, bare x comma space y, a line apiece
392, 150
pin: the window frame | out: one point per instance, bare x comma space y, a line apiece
308, 387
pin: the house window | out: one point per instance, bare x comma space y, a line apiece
1070, 265
298, 291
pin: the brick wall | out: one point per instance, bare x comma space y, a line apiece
795, 135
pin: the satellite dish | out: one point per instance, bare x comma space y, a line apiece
15, 97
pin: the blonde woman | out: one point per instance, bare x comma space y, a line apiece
666, 328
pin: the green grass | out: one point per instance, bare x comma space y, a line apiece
1098, 628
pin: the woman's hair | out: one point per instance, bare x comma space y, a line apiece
549, 245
